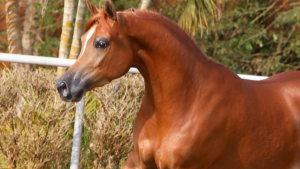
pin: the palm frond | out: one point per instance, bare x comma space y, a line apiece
188, 17
195, 14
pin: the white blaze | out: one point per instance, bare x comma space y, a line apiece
88, 36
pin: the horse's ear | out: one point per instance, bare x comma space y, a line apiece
92, 8
110, 10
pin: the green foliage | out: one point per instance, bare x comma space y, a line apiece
45, 31
4, 44
255, 38
252, 37
48, 47
125, 4
170, 10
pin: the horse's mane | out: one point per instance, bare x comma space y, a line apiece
151, 15
143, 14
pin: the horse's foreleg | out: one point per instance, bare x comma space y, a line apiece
132, 162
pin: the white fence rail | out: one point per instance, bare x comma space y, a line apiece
42, 60
50, 61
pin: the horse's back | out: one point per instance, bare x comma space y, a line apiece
285, 77
281, 91
283, 87
274, 109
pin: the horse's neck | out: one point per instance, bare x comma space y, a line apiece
171, 63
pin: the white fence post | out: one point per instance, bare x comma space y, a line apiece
77, 133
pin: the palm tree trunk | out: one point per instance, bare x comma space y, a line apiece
66, 34
13, 28
26, 39
78, 30
3, 37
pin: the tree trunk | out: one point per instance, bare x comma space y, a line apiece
13, 28
78, 30
3, 37
26, 39
66, 34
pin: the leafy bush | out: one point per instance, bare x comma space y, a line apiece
252, 37
256, 37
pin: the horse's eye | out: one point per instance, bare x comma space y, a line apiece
101, 43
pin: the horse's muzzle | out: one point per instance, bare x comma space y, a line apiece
63, 90
69, 91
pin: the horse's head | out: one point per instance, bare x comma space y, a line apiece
105, 55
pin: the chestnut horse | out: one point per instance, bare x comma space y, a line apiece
195, 113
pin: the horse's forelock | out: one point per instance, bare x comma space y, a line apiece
98, 19
94, 19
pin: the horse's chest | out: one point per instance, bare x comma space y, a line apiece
165, 152
173, 154
173, 148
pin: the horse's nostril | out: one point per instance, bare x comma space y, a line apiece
64, 89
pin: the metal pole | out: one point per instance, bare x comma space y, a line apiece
75, 156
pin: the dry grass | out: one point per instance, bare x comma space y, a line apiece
36, 126
109, 120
